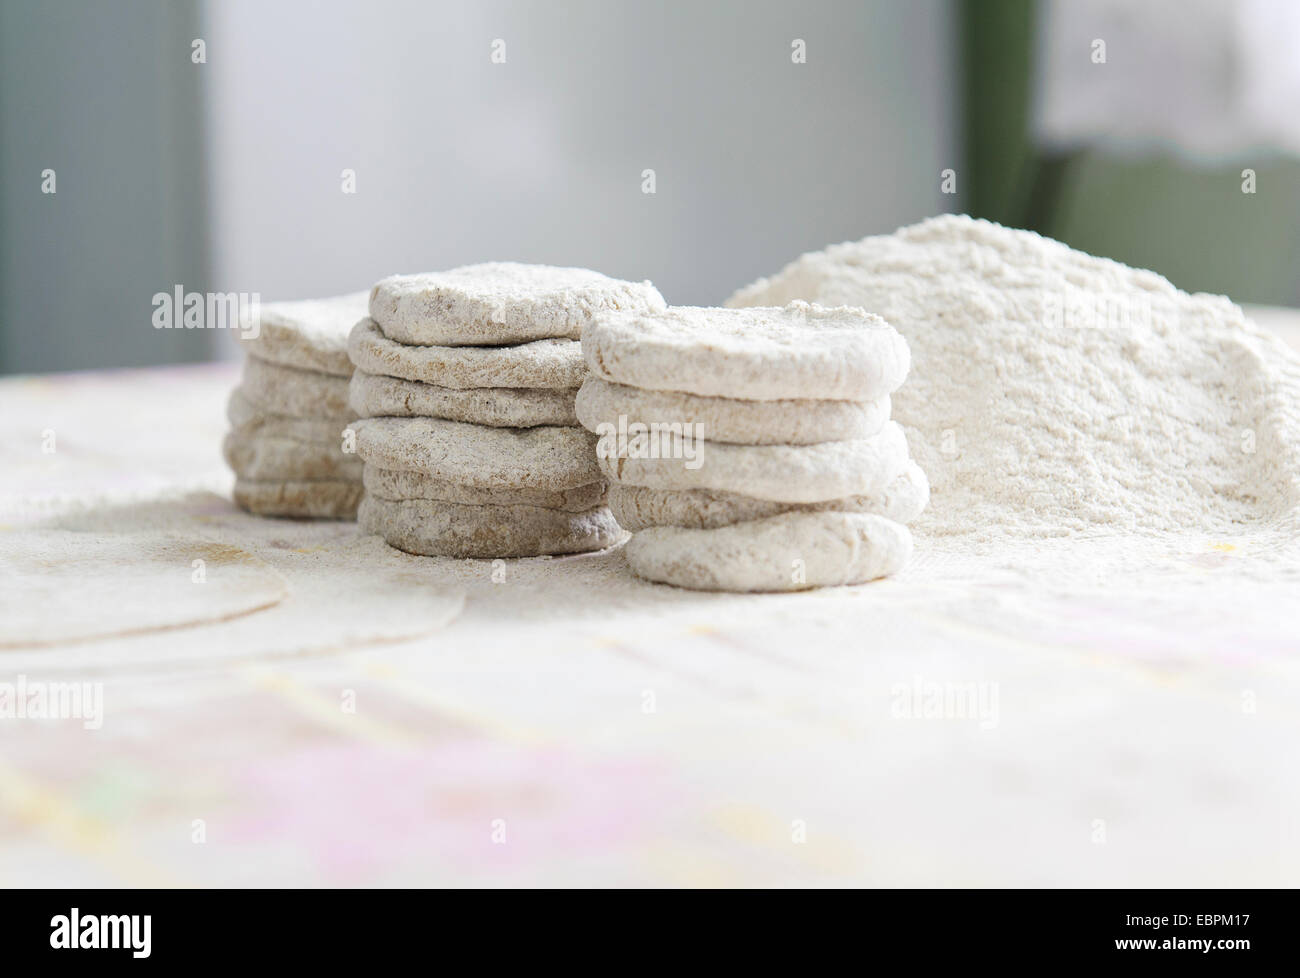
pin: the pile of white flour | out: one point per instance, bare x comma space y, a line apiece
1054, 394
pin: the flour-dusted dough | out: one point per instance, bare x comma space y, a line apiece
545, 457
798, 351
437, 529
782, 473
742, 422
246, 420
60, 586
271, 458
394, 484
341, 591
501, 302
377, 396
277, 389
311, 334
318, 500
790, 552
550, 364
638, 507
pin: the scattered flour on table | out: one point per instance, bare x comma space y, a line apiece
1055, 394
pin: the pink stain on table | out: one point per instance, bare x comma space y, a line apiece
361, 810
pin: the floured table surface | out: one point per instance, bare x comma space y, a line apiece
1098, 713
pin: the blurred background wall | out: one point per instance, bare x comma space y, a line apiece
104, 95
456, 158
229, 174
1124, 129
541, 159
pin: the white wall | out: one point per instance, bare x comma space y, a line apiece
540, 159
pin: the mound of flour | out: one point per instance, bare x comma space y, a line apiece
1054, 394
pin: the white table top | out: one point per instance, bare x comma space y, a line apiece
572, 726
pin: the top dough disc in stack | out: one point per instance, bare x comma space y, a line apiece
311, 334
762, 354
552, 364
501, 303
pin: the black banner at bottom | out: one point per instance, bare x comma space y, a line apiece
328, 928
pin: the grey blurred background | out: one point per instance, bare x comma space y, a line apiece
227, 175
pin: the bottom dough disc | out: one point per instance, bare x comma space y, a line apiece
790, 552
438, 529
639, 507
323, 500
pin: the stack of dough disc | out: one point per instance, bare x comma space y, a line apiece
290, 410
465, 382
801, 480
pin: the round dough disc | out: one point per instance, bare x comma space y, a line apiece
310, 335
276, 389
550, 364
790, 552
247, 420
551, 458
312, 500
760, 353
638, 507
786, 422
272, 457
781, 473
59, 586
377, 396
501, 302
393, 484
438, 529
